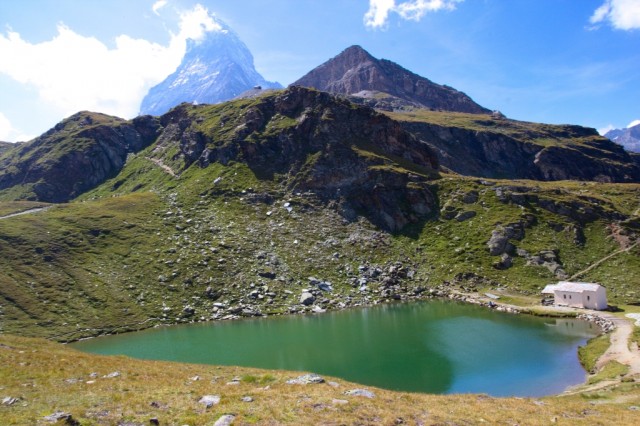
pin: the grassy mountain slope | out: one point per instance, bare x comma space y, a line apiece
120, 260
233, 208
76, 155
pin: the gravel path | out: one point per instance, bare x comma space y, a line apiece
620, 345
30, 211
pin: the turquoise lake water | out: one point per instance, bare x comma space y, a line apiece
434, 347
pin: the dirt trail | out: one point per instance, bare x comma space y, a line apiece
30, 211
601, 261
619, 349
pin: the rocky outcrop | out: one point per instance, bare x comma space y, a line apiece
352, 157
505, 149
383, 84
78, 154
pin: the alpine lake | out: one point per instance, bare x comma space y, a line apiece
433, 347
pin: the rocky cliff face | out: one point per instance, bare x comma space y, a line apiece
499, 148
309, 141
76, 155
215, 69
384, 84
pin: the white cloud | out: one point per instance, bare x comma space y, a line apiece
158, 5
379, 10
8, 133
605, 130
621, 14
73, 72
6, 129
633, 123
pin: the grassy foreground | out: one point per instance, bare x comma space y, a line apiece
47, 377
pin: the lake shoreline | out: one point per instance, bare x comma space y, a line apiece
442, 292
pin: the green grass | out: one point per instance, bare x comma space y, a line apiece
592, 351
610, 371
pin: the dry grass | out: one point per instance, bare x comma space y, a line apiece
49, 377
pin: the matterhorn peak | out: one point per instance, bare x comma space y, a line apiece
217, 66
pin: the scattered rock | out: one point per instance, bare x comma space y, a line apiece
470, 197
10, 401
61, 415
209, 400
225, 420
247, 399
267, 273
505, 262
466, 215
360, 392
112, 375
307, 298
306, 379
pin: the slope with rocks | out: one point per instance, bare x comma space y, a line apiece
496, 147
76, 155
383, 84
215, 69
243, 208
222, 242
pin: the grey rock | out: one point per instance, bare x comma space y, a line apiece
325, 286
247, 399
61, 415
360, 392
498, 243
112, 375
307, 298
209, 400
505, 262
470, 197
462, 216
225, 420
9, 400
306, 379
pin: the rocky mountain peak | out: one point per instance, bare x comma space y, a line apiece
214, 69
629, 138
382, 84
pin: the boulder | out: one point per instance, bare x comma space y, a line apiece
307, 298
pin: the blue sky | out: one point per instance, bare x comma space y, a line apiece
553, 61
